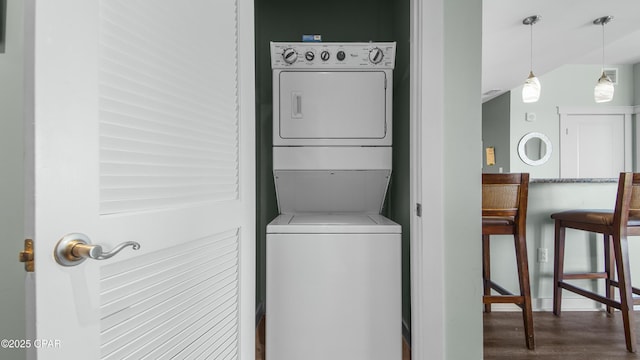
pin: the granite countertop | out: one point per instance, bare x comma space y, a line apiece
573, 181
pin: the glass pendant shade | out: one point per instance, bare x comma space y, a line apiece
531, 89
603, 91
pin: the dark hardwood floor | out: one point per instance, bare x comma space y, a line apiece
574, 335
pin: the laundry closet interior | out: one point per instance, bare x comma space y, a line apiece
335, 21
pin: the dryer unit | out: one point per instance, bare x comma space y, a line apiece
329, 94
333, 262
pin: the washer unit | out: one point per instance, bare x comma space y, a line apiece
333, 262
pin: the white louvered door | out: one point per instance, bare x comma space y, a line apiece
142, 129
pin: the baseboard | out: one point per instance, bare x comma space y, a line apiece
259, 312
546, 304
406, 332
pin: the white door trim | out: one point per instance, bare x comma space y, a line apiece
599, 110
246, 114
29, 166
427, 107
636, 112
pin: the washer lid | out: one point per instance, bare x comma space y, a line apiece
332, 223
331, 219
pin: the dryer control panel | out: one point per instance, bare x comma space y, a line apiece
301, 55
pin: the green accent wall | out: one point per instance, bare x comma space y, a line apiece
3, 24
335, 20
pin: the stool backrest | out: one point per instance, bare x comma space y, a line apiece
505, 195
634, 205
627, 200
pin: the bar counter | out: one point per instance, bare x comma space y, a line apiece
574, 181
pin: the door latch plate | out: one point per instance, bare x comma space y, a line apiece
26, 256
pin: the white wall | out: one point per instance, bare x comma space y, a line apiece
569, 85
446, 259
462, 178
12, 317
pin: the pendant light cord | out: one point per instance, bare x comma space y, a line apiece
603, 47
531, 48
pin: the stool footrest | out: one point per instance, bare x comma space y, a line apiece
499, 288
633, 289
591, 275
589, 294
503, 299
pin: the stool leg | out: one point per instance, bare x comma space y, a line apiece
525, 288
558, 267
608, 268
621, 249
486, 269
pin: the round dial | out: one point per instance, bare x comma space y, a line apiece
309, 55
290, 55
376, 55
340, 55
325, 55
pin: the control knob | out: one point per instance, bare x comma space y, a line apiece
376, 55
325, 55
340, 55
290, 56
309, 55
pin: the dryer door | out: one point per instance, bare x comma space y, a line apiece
332, 105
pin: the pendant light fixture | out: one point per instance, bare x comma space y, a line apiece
603, 91
531, 88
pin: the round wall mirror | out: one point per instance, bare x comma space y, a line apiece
535, 148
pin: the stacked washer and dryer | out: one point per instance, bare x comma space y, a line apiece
333, 262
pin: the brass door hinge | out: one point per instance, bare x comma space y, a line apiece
26, 256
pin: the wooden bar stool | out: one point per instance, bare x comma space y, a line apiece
504, 212
615, 225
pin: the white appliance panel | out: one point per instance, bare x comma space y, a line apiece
333, 296
304, 191
332, 158
333, 105
305, 55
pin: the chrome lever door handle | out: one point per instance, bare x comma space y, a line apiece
75, 248
81, 250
